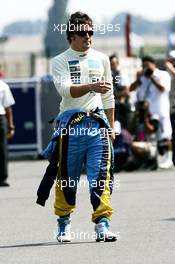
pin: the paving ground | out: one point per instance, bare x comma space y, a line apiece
144, 217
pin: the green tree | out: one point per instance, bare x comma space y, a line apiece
55, 40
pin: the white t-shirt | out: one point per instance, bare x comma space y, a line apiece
158, 101
6, 97
124, 80
72, 67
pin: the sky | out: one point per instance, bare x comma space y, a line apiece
100, 10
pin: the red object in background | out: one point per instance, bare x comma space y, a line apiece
127, 36
2, 75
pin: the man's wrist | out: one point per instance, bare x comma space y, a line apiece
11, 127
91, 88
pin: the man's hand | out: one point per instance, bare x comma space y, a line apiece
139, 74
101, 87
10, 124
10, 133
113, 136
78, 90
110, 116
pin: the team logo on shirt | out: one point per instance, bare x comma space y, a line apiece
75, 73
94, 70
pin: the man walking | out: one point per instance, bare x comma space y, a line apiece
7, 129
82, 77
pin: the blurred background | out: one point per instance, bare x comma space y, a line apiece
27, 30
28, 40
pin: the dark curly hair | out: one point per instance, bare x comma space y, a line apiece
77, 18
149, 59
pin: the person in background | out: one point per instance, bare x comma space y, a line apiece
144, 145
170, 66
122, 113
7, 129
153, 86
121, 91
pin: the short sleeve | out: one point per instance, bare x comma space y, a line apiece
8, 99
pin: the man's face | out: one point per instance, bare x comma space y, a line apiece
149, 65
82, 38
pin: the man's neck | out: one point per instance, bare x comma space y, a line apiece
78, 49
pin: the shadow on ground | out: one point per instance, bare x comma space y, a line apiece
45, 244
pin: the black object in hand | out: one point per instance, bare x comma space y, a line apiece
148, 72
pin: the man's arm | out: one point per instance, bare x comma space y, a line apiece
123, 93
148, 125
82, 89
110, 116
170, 67
157, 83
137, 82
134, 86
64, 86
10, 124
108, 98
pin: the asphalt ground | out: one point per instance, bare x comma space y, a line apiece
143, 218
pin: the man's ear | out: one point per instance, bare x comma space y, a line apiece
73, 37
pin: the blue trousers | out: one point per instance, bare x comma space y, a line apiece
89, 144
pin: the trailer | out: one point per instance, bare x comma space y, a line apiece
36, 102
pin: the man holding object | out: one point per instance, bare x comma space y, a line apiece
82, 77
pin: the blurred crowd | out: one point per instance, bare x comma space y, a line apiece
145, 113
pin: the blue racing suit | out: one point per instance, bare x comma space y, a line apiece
80, 138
